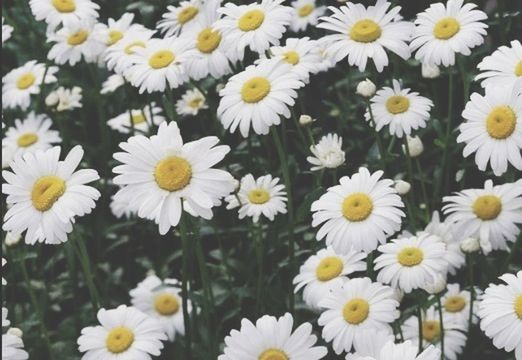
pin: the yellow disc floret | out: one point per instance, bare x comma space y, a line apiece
501, 122
161, 59
518, 68
258, 196
119, 339
138, 118
356, 311
208, 40
129, 49
431, 331
166, 304
27, 139
251, 20
455, 304
114, 37
46, 191
187, 14
305, 10
273, 354
518, 306
487, 207
365, 31
255, 89
77, 38
173, 173
357, 207
25, 81
291, 57
410, 256
397, 104
64, 6
446, 28
329, 268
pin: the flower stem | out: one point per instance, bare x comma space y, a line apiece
184, 284
423, 188
260, 259
419, 317
411, 213
442, 357
382, 152
444, 175
83, 256
471, 291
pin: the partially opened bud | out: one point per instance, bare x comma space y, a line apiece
366, 88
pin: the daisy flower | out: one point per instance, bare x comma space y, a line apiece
360, 212
412, 262
490, 214
46, 194
55, 12
181, 18
258, 96
120, 208
456, 302
124, 333
68, 99
119, 57
325, 271
327, 61
378, 346
502, 68
6, 31
161, 176
112, 83
138, 119
400, 109
191, 102
441, 31
256, 197
256, 25
358, 305
501, 313
112, 32
306, 12
272, 339
327, 153
493, 130
363, 33
19, 84
13, 348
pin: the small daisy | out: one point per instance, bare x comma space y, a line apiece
325, 271
13, 348
400, 109
441, 31
112, 83
360, 212
493, 130
412, 262
501, 313
161, 176
502, 68
328, 153
182, 18
120, 208
47, 194
363, 33
19, 84
358, 305
112, 32
119, 57
6, 31
124, 333
456, 304
55, 12
258, 96
306, 12
490, 214
191, 102
63, 99
272, 339
138, 119
378, 346
256, 197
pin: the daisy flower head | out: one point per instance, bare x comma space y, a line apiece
325, 271
181, 18
124, 332
112, 32
256, 197
358, 213
191, 102
137, 119
327, 153
442, 31
258, 96
456, 303
112, 83
490, 214
350, 309
13, 348
6, 31
46, 194
412, 262
378, 346
54, 12
493, 128
19, 84
501, 313
120, 56
502, 68
400, 109
161, 176
271, 338
63, 99
364, 33
305, 12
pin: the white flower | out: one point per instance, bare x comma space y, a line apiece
456, 302
55, 12
5, 321
305, 120
402, 187
13, 348
437, 285
191, 102
66, 99
120, 208
378, 346
415, 146
430, 71
6, 31
120, 56
182, 18
503, 68
327, 60
8, 154
112, 83
114, 31
328, 153
15, 332
138, 119
12, 239
470, 245
366, 88
305, 12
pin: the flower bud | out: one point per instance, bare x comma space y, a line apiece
16, 332
415, 146
430, 71
52, 99
459, 175
305, 120
402, 187
437, 285
470, 245
366, 88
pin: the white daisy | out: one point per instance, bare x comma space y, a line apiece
5, 321
138, 119
119, 57
328, 153
441, 31
363, 33
6, 31
47, 194
257, 97
456, 302
412, 262
191, 102
13, 348
160, 173
120, 208
493, 130
124, 333
112, 32
19, 84
272, 339
256, 197
327, 61
490, 214
63, 99
378, 346
112, 83
360, 212
55, 12
502, 68
325, 271
182, 18
305, 12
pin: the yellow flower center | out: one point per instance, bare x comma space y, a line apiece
446, 28
356, 311
455, 304
187, 14
208, 40
329, 268
258, 196
129, 49
273, 354
251, 20
195, 103
114, 37
305, 10
410, 256
119, 339
518, 68
25, 81
77, 38
357, 207
487, 207
166, 304
255, 89
64, 6
46, 191
173, 173
397, 104
291, 57
518, 306
27, 139
501, 122
138, 118
365, 31
431, 331
161, 59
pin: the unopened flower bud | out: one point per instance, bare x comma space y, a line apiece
366, 88
430, 71
52, 99
437, 285
470, 245
16, 332
459, 175
402, 187
415, 146
305, 120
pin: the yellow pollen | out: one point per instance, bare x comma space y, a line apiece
356, 311
397, 104
446, 28
114, 37
77, 38
173, 173
64, 6
329, 268
501, 122
365, 31
291, 57
518, 306
138, 118
273, 354
487, 207
258, 196
129, 49
187, 14
25, 81
119, 339
431, 331
195, 103
208, 40
46, 191
255, 89
455, 304
161, 59
27, 139
518, 68
166, 304
410, 256
305, 10
357, 207
251, 20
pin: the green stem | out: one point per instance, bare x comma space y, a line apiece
169, 104
442, 357
184, 284
444, 175
423, 187
411, 213
382, 152
259, 247
419, 317
471, 291
83, 256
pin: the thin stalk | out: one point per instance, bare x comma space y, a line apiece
169, 104
184, 284
260, 260
419, 317
471, 292
83, 256
411, 213
41, 101
423, 188
382, 152
369, 265
442, 357
444, 175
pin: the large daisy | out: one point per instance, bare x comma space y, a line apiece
119, 57
182, 18
306, 12
137, 119
378, 346
503, 67
55, 12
